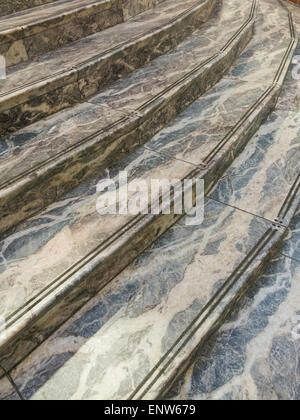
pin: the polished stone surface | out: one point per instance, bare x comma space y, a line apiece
260, 177
291, 246
197, 131
81, 231
115, 121
256, 354
37, 31
7, 391
49, 244
200, 129
132, 8
13, 6
108, 348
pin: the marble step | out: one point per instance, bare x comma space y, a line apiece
255, 354
35, 32
62, 78
128, 341
136, 337
14, 6
56, 261
42, 162
130, 8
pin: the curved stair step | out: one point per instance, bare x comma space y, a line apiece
263, 331
39, 88
14, 6
42, 162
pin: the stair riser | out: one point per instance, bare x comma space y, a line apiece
44, 186
125, 248
25, 44
25, 107
8, 7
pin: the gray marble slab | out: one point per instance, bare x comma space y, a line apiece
256, 354
107, 349
8, 391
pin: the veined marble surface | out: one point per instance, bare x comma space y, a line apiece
291, 246
256, 354
77, 225
13, 6
7, 391
199, 129
109, 347
40, 141
10, 23
35, 90
35, 32
134, 7
99, 133
83, 51
260, 177
51, 243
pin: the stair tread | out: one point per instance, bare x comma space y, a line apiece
252, 187
31, 150
74, 221
71, 57
132, 324
263, 331
15, 6
121, 335
17, 152
40, 15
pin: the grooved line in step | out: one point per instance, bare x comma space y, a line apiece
213, 303
57, 19
76, 267
12, 382
15, 316
109, 50
290, 199
141, 108
257, 250
206, 311
264, 96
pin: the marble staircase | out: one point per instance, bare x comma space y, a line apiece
119, 306
68, 75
